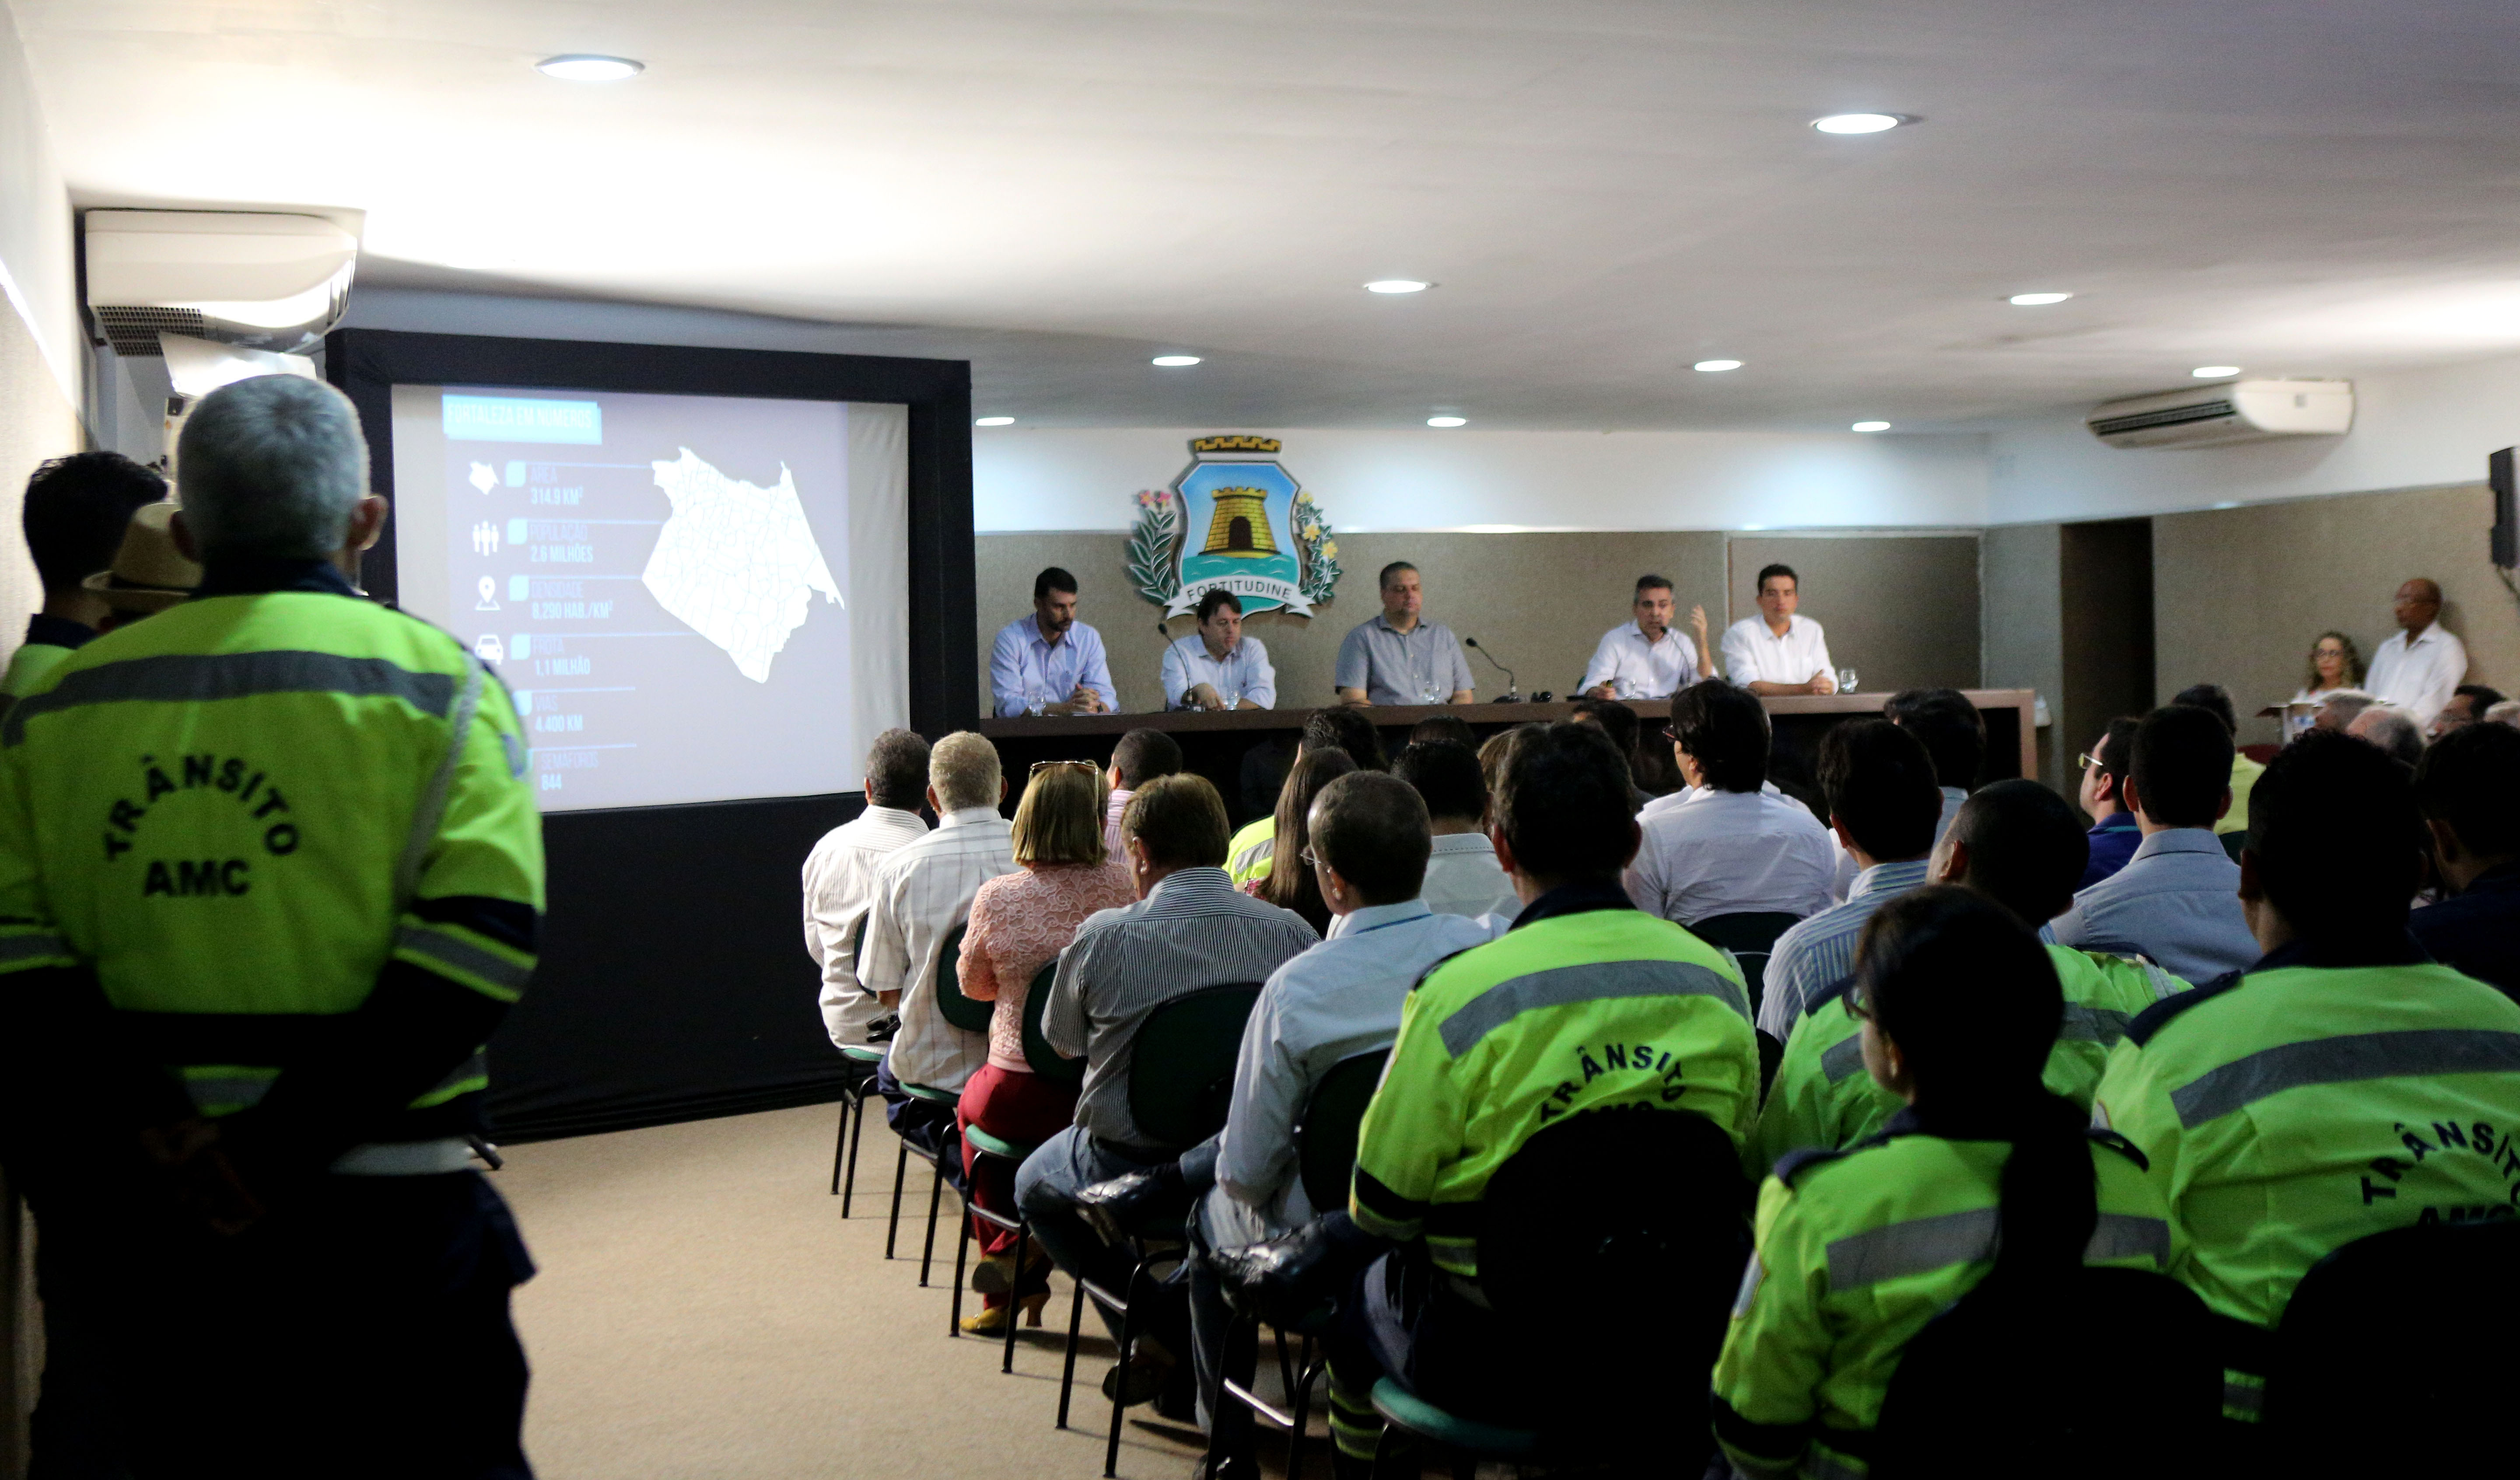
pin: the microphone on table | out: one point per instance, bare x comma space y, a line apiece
1512, 692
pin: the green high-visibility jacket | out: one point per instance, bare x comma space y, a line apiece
1247, 855
244, 814
1823, 1098
1585, 1003
1856, 1251
29, 666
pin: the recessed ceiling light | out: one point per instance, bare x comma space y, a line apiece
2214, 372
1397, 285
1870, 426
1712, 366
577, 68
1175, 361
2037, 299
1861, 123
995, 421
1448, 421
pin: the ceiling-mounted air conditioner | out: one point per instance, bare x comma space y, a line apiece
2234, 411
260, 280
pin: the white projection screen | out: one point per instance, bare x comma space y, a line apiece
692, 597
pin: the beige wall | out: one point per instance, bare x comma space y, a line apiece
1902, 610
2239, 594
2022, 623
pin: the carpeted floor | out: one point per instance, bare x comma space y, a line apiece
703, 1313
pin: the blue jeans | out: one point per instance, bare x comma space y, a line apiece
1045, 1187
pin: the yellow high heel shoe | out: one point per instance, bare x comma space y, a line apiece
992, 1320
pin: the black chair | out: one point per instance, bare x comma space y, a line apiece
1569, 1229
853, 1096
1981, 1393
2396, 1355
1750, 937
1325, 1137
1051, 1066
1181, 1081
970, 1016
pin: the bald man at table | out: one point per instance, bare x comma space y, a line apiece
1398, 657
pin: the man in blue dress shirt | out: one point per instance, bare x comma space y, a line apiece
2114, 833
2177, 903
1050, 662
1217, 668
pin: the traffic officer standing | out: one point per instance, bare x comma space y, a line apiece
270, 873
2343, 1085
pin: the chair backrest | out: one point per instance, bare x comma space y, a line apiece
857, 940
1181, 1064
2234, 842
1632, 1208
960, 1011
1750, 937
1048, 1064
1325, 1133
2424, 1315
1973, 1398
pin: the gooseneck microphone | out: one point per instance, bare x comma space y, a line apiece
1512, 690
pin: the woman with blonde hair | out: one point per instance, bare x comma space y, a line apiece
1019, 924
2334, 663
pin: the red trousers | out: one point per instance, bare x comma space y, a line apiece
1018, 1107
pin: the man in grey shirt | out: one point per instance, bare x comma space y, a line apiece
1398, 659
1190, 929
2177, 903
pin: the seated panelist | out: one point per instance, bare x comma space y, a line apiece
1645, 658
1217, 668
1398, 657
1778, 652
1050, 662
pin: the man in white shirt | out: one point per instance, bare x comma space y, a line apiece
1732, 844
2420, 667
922, 893
1217, 668
1462, 876
1778, 652
1645, 658
1048, 663
840, 895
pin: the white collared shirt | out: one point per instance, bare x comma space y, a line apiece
2418, 677
1648, 670
922, 892
839, 891
1464, 878
1731, 853
1245, 671
1754, 655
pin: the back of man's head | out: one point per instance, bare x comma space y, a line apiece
2182, 767
2116, 755
2340, 707
1724, 727
964, 770
2393, 731
2335, 839
2026, 849
1374, 829
1616, 720
2480, 697
1880, 786
896, 770
1344, 728
2212, 696
272, 469
1445, 727
1143, 755
1181, 821
76, 512
2470, 780
1448, 778
1564, 807
1948, 726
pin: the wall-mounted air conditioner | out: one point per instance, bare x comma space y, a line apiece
2234, 411
261, 280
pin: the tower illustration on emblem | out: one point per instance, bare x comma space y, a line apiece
1239, 527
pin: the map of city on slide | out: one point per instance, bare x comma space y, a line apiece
659, 580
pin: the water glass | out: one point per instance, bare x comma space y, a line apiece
1227, 698
1846, 680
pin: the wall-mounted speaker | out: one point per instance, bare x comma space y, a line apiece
2505, 539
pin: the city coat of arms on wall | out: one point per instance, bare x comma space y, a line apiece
1235, 519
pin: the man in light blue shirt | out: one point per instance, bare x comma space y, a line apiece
1398, 657
1883, 805
1217, 668
2177, 903
1050, 662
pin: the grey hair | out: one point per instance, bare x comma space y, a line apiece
2392, 730
271, 466
963, 769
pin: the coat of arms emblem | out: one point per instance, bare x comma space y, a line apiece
1236, 518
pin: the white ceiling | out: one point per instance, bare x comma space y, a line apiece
1605, 189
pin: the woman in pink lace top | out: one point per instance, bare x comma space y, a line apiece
1019, 924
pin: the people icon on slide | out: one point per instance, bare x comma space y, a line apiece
485, 538
488, 586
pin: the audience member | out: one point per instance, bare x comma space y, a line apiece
1189, 929
2016, 844
2468, 785
2244, 770
922, 891
1296, 888
2113, 835
2507, 712
2328, 1090
2176, 902
75, 513
1959, 1011
2340, 707
1142, 755
1953, 735
2393, 731
2335, 662
1371, 848
1462, 873
840, 892
1732, 843
1019, 924
1445, 727
1249, 852
2421, 662
1619, 723
1497, 753
1264, 769
1884, 803
2468, 703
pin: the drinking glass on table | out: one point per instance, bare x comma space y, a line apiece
1428, 693
1227, 698
1846, 680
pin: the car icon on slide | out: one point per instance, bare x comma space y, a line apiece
489, 649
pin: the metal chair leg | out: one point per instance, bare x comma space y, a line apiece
1120, 1397
1303, 1410
900, 1173
1014, 1298
962, 1259
857, 1138
840, 1146
1067, 1376
935, 1195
